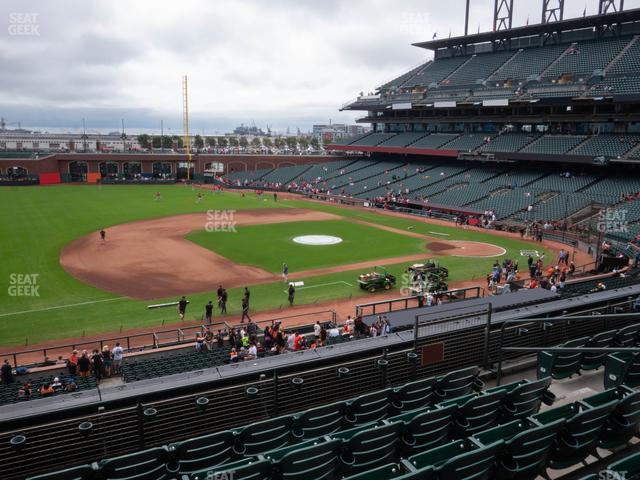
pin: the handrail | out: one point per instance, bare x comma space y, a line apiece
550, 320
448, 293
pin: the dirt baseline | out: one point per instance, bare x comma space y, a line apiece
152, 259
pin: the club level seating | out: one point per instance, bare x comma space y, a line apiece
554, 144
402, 139
607, 145
434, 141
468, 143
520, 448
372, 139
508, 142
612, 86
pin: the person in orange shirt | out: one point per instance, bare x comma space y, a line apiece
46, 390
297, 342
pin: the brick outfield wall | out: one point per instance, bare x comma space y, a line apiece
59, 162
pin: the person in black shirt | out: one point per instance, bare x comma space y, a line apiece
208, 312
220, 338
292, 293
223, 301
103, 235
6, 372
96, 360
245, 310
247, 294
182, 307
219, 293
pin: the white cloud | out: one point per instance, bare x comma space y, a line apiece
282, 62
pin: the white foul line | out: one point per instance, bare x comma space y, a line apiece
60, 306
321, 285
443, 234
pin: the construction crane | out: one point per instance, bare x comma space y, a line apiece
185, 122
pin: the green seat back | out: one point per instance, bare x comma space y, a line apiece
593, 360
205, 452
249, 469
479, 413
267, 435
458, 383
371, 447
319, 421
145, 465
628, 468
320, 461
371, 407
414, 395
82, 472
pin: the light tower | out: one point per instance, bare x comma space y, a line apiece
185, 122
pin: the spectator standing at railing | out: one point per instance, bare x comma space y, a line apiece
107, 361
6, 372
84, 364
117, 353
98, 363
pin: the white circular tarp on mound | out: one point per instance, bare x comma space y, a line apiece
317, 240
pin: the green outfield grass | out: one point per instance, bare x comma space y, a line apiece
40, 221
268, 246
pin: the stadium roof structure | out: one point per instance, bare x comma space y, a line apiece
554, 86
580, 23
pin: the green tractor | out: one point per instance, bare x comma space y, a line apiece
430, 268
376, 280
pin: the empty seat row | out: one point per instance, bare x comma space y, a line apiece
523, 449
558, 365
356, 425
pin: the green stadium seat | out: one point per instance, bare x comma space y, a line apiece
394, 471
263, 436
426, 428
526, 449
367, 448
460, 460
250, 469
457, 383
369, 408
626, 469
625, 418
594, 360
622, 368
580, 434
523, 398
477, 412
561, 365
413, 395
205, 452
627, 336
320, 461
319, 421
82, 472
145, 465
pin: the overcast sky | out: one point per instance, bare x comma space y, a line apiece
284, 63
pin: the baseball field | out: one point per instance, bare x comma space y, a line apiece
60, 280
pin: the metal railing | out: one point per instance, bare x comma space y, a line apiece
547, 324
404, 303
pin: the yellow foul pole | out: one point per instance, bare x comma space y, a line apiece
185, 121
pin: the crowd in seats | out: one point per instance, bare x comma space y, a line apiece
80, 371
249, 343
